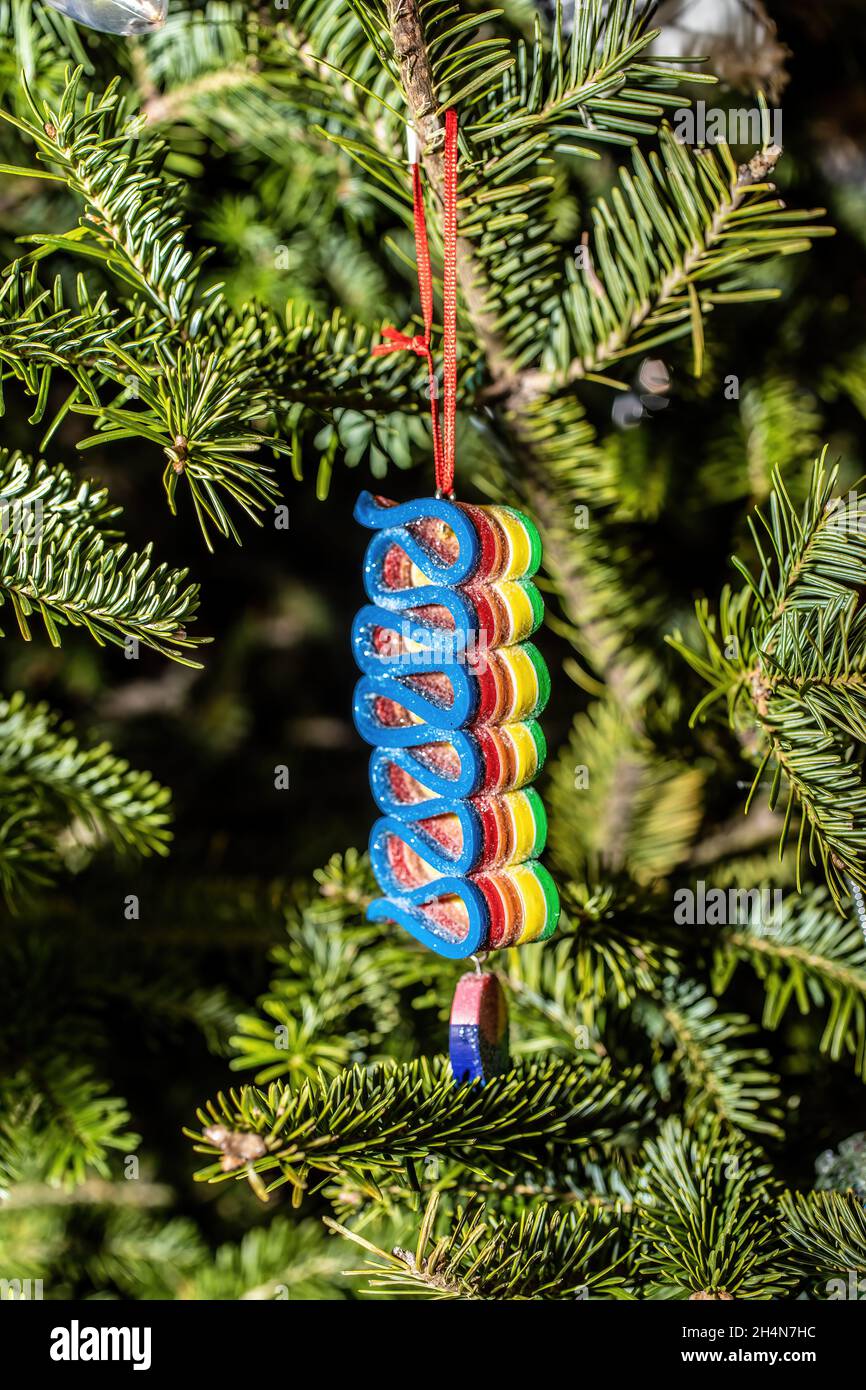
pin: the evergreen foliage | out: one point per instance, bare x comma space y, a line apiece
202, 235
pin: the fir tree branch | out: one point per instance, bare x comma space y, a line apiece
787, 655
379, 1121
60, 1123
706, 1222
544, 1255
638, 813
827, 1234
724, 1080
181, 354
40, 333
807, 956
285, 1259
61, 561
671, 244
58, 795
130, 222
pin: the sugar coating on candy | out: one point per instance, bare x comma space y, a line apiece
446, 831
439, 757
439, 570
432, 615
405, 787
437, 537
390, 714
513, 754
435, 685
513, 684
478, 1029
509, 543
534, 904
491, 540
409, 869
518, 552
523, 904
533, 538
506, 613
506, 909
449, 916
396, 569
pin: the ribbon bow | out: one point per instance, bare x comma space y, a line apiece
397, 341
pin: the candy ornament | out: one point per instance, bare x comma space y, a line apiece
478, 1031
125, 17
450, 693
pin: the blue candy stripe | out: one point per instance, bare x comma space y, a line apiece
433, 715
438, 648
468, 781
424, 844
396, 521
406, 909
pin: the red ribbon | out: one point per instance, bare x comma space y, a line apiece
443, 439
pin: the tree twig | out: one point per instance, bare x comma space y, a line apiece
410, 49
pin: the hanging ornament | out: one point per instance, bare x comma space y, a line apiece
858, 902
478, 1032
449, 695
115, 16
844, 1170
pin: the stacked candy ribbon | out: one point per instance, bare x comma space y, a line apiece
450, 690
449, 695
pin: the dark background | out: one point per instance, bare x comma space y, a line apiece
278, 680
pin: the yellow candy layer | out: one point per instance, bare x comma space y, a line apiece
534, 904
524, 683
519, 550
524, 831
525, 751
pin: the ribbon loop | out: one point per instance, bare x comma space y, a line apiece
420, 344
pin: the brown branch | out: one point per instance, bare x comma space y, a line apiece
410, 49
